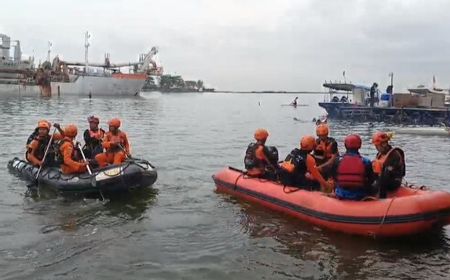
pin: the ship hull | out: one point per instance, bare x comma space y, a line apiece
94, 86
19, 90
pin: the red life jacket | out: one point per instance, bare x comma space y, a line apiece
351, 172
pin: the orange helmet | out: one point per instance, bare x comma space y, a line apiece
44, 124
114, 122
353, 142
322, 130
308, 143
71, 130
381, 137
261, 134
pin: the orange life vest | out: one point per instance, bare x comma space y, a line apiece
378, 162
120, 138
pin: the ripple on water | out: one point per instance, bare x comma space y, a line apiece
185, 230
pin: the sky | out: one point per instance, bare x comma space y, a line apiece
249, 44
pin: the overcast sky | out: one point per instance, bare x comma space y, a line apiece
249, 44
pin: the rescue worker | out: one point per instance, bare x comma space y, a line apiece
116, 144
326, 150
67, 150
353, 172
38, 144
388, 165
35, 133
93, 138
260, 160
299, 168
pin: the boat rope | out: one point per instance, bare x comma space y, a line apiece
385, 214
296, 189
237, 179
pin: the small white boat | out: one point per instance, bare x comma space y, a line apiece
435, 131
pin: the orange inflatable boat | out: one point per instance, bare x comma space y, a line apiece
405, 211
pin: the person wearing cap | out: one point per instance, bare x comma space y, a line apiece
38, 142
68, 152
116, 144
259, 160
326, 150
388, 165
93, 138
299, 168
352, 172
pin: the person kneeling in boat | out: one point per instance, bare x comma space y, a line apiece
353, 172
116, 145
69, 156
93, 138
299, 168
388, 165
37, 144
326, 151
260, 160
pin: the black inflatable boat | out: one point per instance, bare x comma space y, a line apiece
132, 174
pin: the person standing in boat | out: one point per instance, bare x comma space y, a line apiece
68, 154
261, 160
352, 172
93, 138
38, 141
326, 150
116, 145
299, 168
373, 91
294, 103
388, 165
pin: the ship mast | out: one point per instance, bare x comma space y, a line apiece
86, 49
49, 50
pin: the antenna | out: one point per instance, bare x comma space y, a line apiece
49, 50
86, 49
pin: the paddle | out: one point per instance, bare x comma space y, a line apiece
84, 158
35, 182
89, 169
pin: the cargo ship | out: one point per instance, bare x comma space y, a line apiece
64, 78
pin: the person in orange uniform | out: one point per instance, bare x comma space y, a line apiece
388, 165
326, 150
299, 168
116, 145
259, 159
353, 172
67, 149
39, 142
93, 138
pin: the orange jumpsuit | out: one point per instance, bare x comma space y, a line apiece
70, 166
114, 153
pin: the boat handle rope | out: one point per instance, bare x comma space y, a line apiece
385, 214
